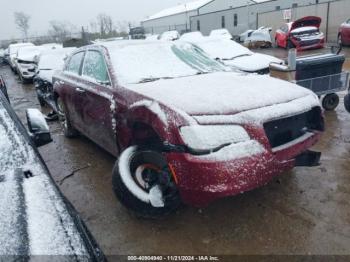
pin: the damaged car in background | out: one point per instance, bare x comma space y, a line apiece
259, 38
36, 219
185, 128
12, 50
49, 62
231, 53
302, 34
25, 62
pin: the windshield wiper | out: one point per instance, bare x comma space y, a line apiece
153, 79
226, 59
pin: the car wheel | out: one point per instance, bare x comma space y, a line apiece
347, 102
69, 130
144, 183
330, 102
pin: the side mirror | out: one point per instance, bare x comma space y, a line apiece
38, 128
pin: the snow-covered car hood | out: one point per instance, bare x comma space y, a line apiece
221, 93
252, 63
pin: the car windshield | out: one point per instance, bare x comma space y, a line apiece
149, 61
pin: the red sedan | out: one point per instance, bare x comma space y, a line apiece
344, 33
185, 127
302, 34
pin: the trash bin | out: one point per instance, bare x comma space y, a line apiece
320, 72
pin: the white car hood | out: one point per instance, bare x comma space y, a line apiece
252, 63
221, 93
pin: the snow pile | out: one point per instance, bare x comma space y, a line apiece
37, 119
192, 37
210, 137
221, 93
170, 36
33, 217
221, 34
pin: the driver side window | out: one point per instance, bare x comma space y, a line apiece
95, 67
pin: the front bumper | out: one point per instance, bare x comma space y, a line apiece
309, 44
202, 181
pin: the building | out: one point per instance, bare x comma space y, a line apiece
240, 15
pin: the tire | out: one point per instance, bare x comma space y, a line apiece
130, 185
69, 130
347, 102
330, 102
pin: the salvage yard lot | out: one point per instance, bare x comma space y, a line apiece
305, 211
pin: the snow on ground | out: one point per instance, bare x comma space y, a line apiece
221, 34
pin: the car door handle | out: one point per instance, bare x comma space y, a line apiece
79, 90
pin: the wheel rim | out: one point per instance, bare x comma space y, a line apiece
146, 171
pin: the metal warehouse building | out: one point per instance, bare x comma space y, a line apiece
240, 15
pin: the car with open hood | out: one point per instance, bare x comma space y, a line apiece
232, 53
36, 219
26, 62
184, 127
302, 34
344, 33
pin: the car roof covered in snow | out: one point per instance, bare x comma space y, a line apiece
35, 218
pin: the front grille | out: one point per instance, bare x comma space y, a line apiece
309, 42
285, 130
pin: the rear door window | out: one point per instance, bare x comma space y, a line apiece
75, 63
95, 67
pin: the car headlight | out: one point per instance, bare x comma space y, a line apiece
199, 138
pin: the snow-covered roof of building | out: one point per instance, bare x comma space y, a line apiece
182, 8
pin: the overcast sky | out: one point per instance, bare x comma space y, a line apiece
77, 12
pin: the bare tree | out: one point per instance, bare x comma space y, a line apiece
60, 30
22, 22
105, 24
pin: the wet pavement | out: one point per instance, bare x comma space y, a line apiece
305, 211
